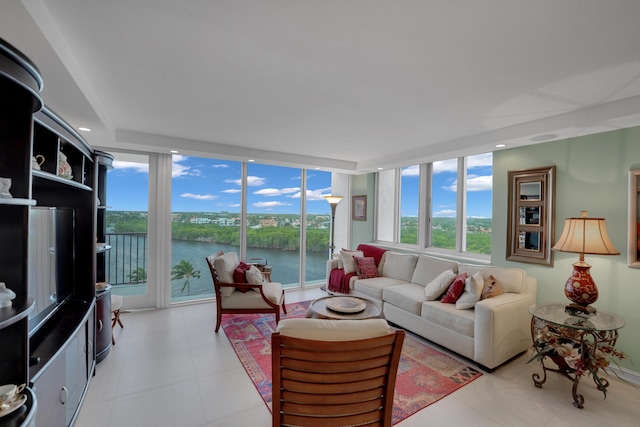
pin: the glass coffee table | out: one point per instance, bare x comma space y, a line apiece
344, 307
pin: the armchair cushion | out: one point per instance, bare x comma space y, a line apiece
329, 330
225, 265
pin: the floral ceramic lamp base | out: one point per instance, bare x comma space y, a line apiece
581, 290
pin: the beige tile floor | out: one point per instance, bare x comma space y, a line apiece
169, 368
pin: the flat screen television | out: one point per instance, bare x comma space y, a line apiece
50, 275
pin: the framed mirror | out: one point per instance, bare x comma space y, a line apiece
530, 229
633, 250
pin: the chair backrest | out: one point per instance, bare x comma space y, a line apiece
335, 382
212, 269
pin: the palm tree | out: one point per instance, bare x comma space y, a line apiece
184, 270
139, 275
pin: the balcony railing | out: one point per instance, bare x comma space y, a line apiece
127, 259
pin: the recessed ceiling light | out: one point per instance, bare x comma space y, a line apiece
501, 145
83, 129
174, 151
380, 169
250, 160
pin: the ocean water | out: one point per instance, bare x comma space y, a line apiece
285, 266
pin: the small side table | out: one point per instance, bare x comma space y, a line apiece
571, 342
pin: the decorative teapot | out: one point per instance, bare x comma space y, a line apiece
6, 296
37, 161
64, 168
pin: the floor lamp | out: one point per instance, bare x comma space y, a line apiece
333, 202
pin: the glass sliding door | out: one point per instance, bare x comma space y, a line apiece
205, 218
273, 220
127, 213
317, 226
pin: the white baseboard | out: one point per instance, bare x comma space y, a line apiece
626, 374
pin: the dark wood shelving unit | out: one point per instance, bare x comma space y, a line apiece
48, 335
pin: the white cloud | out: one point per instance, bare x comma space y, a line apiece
269, 204
178, 169
411, 170
446, 213
450, 165
132, 166
480, 160
317, 194
252, 181
220, 165
232, 190
271, 192
474, 183
480, 183
198, 196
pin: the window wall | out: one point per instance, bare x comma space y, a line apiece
127, 208
409, 198
456, 217
205, 218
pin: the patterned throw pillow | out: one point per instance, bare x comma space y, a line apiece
366, 267
455, 289
491, 288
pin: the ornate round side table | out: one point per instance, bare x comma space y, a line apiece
577, 345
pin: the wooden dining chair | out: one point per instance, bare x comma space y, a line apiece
334, 372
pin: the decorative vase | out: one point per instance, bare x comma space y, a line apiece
580, 287
5, 185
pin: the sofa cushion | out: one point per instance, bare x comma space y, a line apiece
373, 287
472, 291
448, 316
408, 297
511, 279
491, 288
365, 267
439, 285
428, 268
347, 260
455, 289
399, 266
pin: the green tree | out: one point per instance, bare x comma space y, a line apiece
184, 270
139, 275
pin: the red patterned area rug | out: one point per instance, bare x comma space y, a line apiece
425, 375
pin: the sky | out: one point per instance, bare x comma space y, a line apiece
210, 185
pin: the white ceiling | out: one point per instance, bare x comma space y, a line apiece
346, 85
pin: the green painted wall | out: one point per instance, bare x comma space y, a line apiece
362, 231
591, 174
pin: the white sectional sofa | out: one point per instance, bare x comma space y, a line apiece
491, 332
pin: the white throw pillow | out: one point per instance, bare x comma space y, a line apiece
439, 285
472, 292
254, 276
347, 260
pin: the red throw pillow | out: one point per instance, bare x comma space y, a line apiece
239, 274
365, 267
455, 289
